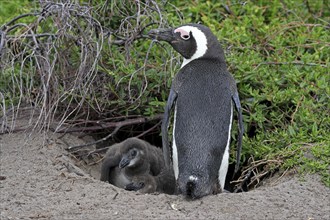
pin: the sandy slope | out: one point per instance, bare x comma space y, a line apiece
40, 184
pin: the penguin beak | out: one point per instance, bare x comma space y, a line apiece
124, 162
162, 34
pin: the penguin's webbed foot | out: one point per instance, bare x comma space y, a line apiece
134, 186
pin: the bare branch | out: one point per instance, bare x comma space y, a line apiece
108, 125
117, 126
54, 63
3, 27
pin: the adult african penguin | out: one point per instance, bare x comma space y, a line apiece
202, 93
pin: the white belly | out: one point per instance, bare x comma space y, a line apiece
225, 159
175, 150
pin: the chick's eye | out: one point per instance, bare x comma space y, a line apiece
133, 153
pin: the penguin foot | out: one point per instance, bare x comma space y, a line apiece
134, 186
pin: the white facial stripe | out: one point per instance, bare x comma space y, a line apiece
175, 150
225, 159
132, 162
201, 42
183, 34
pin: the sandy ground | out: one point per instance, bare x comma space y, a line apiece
42, 182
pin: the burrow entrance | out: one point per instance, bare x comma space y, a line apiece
89, 156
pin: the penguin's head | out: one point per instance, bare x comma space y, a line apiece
197, 186
192, 41
133, 157
134, 153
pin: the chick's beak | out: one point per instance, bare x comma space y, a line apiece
124, 162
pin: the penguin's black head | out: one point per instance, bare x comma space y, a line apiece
181, 40
192, 41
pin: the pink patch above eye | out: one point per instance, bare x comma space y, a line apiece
182, 32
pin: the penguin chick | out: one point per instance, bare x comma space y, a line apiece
202, 95
129, 159
133, 163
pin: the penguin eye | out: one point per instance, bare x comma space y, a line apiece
185, 37
133, 153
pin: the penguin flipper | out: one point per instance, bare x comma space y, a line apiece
170, 102
108, 164
237, 102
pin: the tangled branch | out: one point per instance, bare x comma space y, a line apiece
52, 58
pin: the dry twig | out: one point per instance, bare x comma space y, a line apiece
52, 61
